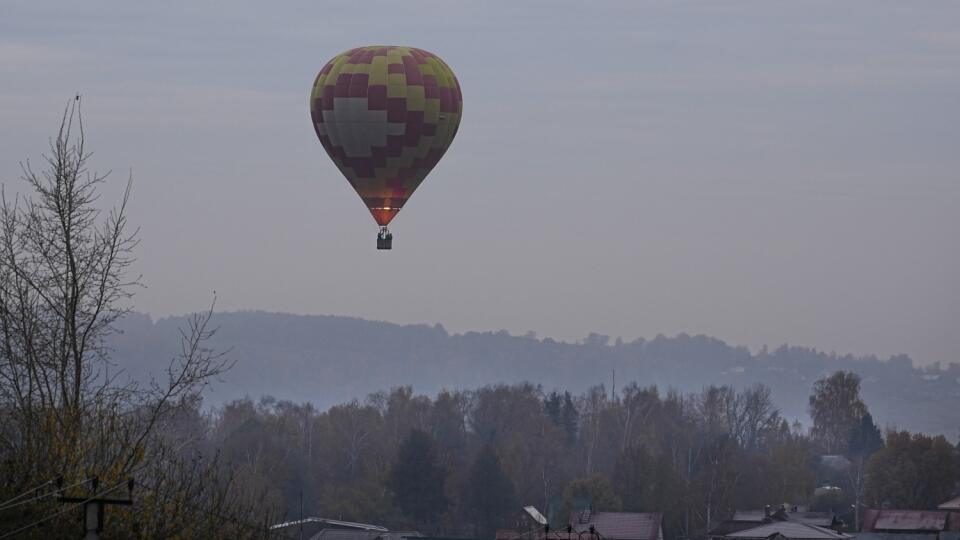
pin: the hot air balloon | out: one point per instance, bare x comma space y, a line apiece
385, 115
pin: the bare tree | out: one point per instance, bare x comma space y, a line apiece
64, 283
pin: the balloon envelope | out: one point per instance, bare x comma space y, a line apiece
385, 115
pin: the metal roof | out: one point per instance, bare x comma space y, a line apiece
331, 522
757, 516
355, 534
952, 504
910, 520
731, 526
821, 519
791, 530
623, 525
896, 536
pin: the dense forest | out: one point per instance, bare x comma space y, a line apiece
463, 462
327, 360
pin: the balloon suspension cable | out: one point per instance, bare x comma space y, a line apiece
384, 238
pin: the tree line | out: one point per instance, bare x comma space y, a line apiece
464, 462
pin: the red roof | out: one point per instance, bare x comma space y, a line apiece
910, 520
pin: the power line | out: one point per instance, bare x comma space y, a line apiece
7, 503
60, 513
38, 498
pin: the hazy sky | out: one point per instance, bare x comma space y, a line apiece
764, 172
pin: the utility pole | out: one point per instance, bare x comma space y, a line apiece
93, 507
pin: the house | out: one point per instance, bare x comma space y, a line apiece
749, 519
316, 528
952, 504
882, 524
347, 534
620, 525
788, 530
589, 525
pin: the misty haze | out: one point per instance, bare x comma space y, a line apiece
480, 271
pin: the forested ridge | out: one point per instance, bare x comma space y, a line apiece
414, 428
326, 360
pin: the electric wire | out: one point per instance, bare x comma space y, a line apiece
61, 512
39, 498
8, 502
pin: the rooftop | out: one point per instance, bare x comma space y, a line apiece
623, 525
952, 504
876, 520
791, 530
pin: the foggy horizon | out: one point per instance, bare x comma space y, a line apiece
660, 270
572, 340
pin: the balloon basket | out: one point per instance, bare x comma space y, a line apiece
384, 239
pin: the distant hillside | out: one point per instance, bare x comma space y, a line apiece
328, 360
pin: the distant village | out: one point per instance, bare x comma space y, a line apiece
663, 468
773, 522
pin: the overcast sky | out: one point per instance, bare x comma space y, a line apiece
764, 172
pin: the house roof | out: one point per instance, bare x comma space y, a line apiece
623, 525
896, 536
330, 522
821, 519
731, 526
875, 520
952, 504
355, 534
752, 516
749, 519
791, 530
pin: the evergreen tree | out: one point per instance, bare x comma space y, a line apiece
865, 438
490, 492
570, 418
553, 406
417, 480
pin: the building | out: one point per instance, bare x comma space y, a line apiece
882, 524
788, 530
315, 528
589, 525
750, 519
620, 525
952, 504
347, 534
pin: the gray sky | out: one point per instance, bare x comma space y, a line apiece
764, 172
